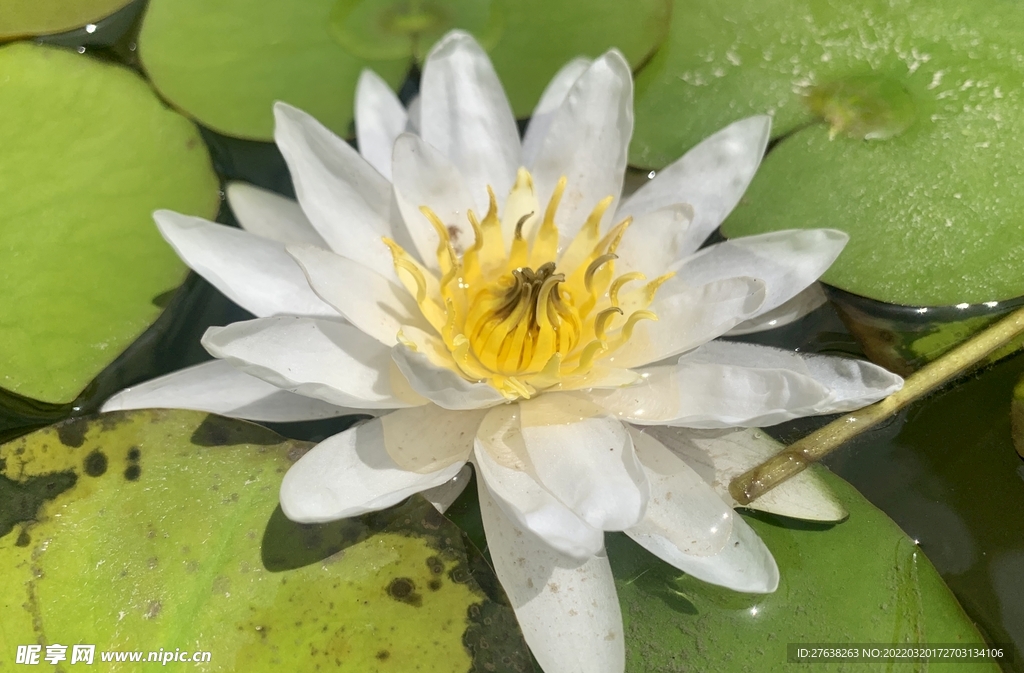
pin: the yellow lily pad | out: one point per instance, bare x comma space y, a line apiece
160, 530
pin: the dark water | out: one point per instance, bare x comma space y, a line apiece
946, 471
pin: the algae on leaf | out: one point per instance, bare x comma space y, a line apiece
163, 531
89, 152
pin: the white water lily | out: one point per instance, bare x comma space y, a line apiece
499, 303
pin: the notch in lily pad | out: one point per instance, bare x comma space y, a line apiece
377, 30
864, 107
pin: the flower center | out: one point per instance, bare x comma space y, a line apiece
526, 317
517, 325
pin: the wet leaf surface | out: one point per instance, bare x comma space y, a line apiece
932, 210
159, 529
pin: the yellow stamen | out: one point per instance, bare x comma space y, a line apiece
545, 244
515, 314
613, 291
602, 320
446, 257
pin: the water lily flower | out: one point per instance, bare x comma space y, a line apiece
496, 301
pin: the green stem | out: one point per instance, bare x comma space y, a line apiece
757, 481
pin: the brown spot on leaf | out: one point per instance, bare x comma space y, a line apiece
95, 464
403, 590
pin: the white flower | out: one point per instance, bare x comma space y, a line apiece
499, 303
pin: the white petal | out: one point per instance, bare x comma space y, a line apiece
426, 438
328, 360
689, 317
254, 272
788, 312
722, 455
547, 106
568, 610
744, 564
600, 376
711, 177
587, 142
354, 472
464, 113
424, 177
271, 215
219, 388
519, 495
368, 300
684, 515
343, 196
442, 497
655, 241
852, 383
711, 395
787, 261
431, 372
726, 384
380, 118
584, 458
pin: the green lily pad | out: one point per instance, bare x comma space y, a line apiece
724, 61
88, 153
227, 67
930, 202
161, 529
859, 581
540, 36
406, 28
20, 18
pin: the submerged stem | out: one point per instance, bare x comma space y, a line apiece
794, 459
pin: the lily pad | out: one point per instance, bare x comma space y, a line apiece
160, 530
859, 581
227, 67
929, 201
540, 36
724, 61
406, 28
20, 18
88, 153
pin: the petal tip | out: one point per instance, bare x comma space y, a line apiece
452, 41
